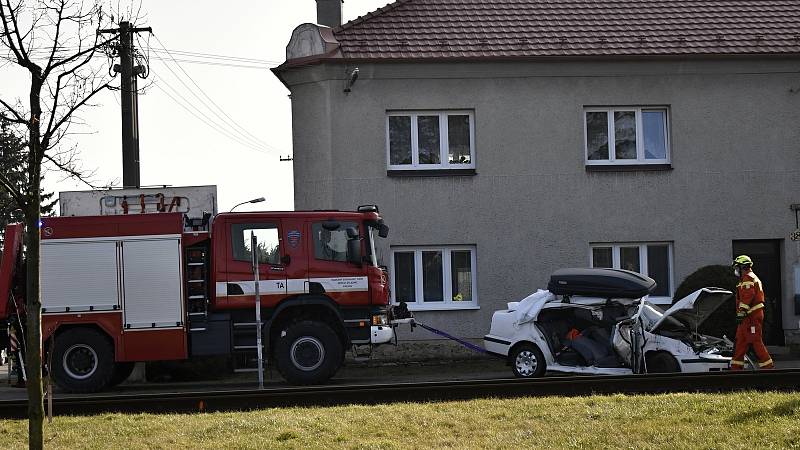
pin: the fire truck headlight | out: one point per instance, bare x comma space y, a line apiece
379, 320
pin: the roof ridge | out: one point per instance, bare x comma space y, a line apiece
370, 15
432, 29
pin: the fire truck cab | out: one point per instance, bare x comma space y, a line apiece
119, 289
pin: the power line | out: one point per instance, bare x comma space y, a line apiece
229, 120
199, 115
198, 57
190, 107
213, 63
208, 59
264, 65
225, 124
215, 56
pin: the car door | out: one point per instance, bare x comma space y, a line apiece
328, 268
240, 286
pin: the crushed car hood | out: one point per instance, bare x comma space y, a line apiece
695, 308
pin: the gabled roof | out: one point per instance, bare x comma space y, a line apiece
444, 29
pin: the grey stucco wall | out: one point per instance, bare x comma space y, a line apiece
533, 207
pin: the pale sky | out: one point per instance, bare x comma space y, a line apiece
178, 149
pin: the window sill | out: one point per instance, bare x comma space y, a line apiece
430, 307
431, 173
627, 167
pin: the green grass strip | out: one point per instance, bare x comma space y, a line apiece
748, 420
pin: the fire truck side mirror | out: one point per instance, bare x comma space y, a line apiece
383, 230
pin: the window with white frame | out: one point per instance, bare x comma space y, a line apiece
430, 140
653, 259
434, 277
626, 135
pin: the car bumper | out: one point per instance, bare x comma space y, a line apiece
496, 344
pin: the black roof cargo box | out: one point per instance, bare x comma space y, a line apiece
610, 283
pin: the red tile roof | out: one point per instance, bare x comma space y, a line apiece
411, 29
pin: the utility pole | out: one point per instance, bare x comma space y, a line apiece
129, 100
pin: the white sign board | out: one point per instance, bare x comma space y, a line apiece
190, 200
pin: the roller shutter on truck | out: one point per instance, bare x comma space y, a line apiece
139, 275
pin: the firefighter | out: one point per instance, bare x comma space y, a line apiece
16, 357
749, 315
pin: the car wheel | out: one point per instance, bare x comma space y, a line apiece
527, 361
122, 370
83, 360
308, 352
662, 362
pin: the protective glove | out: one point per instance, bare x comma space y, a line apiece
740, 317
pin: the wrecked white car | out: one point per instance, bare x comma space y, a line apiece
599, 321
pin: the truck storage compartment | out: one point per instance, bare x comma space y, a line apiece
610, 283
125, 264
215, 339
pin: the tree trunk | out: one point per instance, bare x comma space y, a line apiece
33, 347
33, 305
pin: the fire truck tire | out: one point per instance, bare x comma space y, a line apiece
122, 370
83, 360
308, 352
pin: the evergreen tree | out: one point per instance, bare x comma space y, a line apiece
13, 152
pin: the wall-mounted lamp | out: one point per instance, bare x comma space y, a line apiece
352, 76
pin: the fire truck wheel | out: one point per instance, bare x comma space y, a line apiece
83, 360
122, 370
308, 352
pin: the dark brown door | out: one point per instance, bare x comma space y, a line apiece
766, 255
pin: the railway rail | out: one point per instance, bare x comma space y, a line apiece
242, 399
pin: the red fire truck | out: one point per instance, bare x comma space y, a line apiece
118, 289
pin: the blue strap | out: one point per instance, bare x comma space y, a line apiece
466, 344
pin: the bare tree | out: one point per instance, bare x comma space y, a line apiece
57, 45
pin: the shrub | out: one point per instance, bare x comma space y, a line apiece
723, 320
